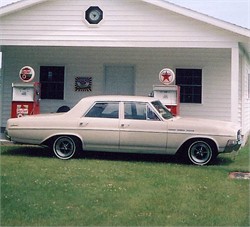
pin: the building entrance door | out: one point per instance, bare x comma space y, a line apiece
119, 80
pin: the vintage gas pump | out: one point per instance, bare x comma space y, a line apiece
168, 93
26, 95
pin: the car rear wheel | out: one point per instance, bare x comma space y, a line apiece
64, 147
200, 153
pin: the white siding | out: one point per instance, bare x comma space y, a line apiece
1, 88
215, 65
126, 23
245, 97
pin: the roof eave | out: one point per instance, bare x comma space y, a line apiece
200, 16
8, 9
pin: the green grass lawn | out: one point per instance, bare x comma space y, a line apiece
38, 189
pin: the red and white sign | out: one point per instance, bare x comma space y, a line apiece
27, 74
167, 76
22, 110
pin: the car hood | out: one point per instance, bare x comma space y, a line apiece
204, 126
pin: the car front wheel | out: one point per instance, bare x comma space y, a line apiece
200, 153
64, 147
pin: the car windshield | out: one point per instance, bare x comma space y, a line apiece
162, 110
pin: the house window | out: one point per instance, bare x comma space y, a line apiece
52, 82
190, 82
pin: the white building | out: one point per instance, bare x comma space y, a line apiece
122, 46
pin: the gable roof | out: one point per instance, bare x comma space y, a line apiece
23, 4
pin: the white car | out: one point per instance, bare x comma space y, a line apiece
126, 124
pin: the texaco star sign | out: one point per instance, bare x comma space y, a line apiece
166, 76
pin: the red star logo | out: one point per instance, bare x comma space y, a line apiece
166, 76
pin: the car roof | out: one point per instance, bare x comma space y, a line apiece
85, 103
119, 98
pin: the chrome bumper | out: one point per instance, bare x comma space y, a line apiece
232, 145
7, 135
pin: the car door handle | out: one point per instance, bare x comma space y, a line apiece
124, 125
83, 124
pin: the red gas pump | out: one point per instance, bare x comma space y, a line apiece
168, 93
25, 99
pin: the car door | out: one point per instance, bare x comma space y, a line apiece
99, 127
141, 130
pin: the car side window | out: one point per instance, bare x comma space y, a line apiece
151, 115
139, 111
104, 110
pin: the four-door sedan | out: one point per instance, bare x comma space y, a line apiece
126, 124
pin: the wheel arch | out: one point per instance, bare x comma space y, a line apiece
191, 140
49, 140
